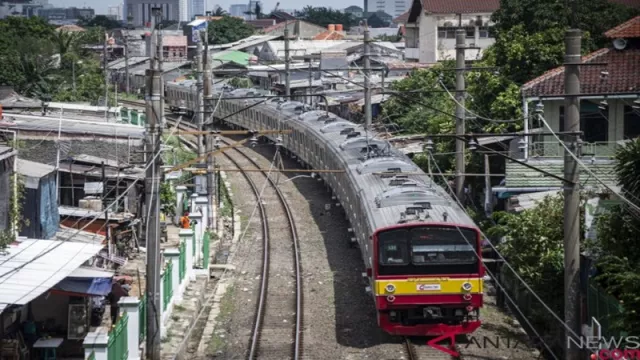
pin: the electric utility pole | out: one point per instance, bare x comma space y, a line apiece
126, 53
199, 96
572, 60
106, 76
287, 60
460, 112
208, 118
310, 86
367, 80
155, 105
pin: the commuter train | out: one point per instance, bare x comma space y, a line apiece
421, 250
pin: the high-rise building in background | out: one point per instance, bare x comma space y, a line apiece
394, 8
116, 12
238, 10
196, 7
141, 10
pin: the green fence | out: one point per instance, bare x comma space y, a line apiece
167, 286
118, 348
183, 260
142, 318
603, 307
205, 250
132, 116
193, 240
92, 356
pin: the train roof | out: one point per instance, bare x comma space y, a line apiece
396, 190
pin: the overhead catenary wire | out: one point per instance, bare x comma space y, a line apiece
56, 245
526, 285
495, 278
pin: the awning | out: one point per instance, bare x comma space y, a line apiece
85, 286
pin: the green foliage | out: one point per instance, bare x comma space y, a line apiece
240, 82
228, 29
101, 21
16, 220
533, 245
537, 16
168, 199
391, 38
324, 16
617, 249
220, 11
375, 21
38, 61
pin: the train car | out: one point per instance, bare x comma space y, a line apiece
421, 250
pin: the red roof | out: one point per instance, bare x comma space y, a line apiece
329, 35
623, 67
279, 26
629, 29
460, 6
402, 18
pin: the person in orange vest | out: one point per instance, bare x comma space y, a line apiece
184, 221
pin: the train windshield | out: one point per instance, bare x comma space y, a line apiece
427, 251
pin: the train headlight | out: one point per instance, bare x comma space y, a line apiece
390, 288
467, 286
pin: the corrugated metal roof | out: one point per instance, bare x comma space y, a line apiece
238, 57
6, 151
524, 202
84, 272
34, 169
34, 266
78, 236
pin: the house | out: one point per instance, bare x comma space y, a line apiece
609, 115
355, 11
40, 203
297, 28
260, 24
431, 28
174, 48
334, 32
7, 169
280, 16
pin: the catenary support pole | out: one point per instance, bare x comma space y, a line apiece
287, 60
367, 79
106, 76
199, 97
208, 119
310, 86
155, 106
572, 60
460, 112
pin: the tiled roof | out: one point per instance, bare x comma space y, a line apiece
282, 15
623, 76
629, 29
70, 28
329, 35
521, 176
261, 23
460, 6
402, 18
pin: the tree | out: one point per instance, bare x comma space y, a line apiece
220, 11
324, 16
533, 244
616, 249
535, 16
375, 21
228, 29
240, 82
391, 38
100, 21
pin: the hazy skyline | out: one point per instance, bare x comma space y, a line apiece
101, 7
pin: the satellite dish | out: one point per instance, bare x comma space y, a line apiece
619, 44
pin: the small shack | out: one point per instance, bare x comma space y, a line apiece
40, 203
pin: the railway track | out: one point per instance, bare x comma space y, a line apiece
277, 332
425, 352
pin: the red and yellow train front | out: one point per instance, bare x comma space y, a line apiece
428, 279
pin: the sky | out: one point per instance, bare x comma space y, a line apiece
101, 6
